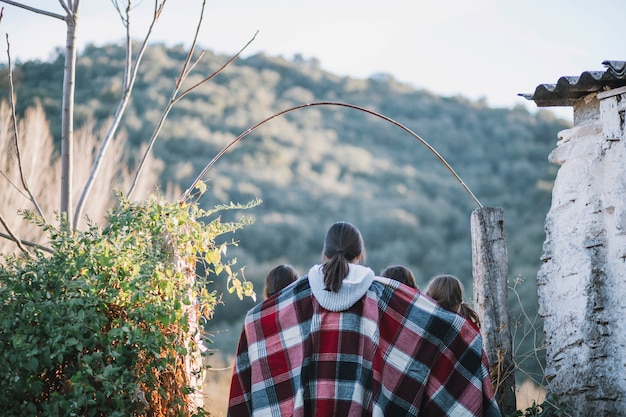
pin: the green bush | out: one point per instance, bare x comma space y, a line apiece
551, 407
101, 327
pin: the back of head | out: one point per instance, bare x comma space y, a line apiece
278, 278
447, 290
400, 273
343, 245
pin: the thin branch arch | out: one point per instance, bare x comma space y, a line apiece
330, 103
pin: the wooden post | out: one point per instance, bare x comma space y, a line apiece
193, 362
490, 273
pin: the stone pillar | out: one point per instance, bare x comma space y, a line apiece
582, 281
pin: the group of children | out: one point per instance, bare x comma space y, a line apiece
314, 345
447, 290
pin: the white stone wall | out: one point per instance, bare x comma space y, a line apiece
582, 282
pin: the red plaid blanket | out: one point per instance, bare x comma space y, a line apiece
393, 353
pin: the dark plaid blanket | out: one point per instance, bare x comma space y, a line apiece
395, 352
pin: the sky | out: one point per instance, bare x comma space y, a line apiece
480, 49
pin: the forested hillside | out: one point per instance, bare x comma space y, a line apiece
321, 164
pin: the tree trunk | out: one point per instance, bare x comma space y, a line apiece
490, 271
67, 116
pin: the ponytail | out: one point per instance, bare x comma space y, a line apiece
343, 244
469, 313
335, 270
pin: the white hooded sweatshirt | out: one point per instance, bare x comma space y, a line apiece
353, 287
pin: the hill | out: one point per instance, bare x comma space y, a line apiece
321, 164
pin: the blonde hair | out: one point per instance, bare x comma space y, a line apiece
447, 290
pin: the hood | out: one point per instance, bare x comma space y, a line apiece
353, 287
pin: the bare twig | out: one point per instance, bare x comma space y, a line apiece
14, 238
12, 184
28, 243
34, 9
130, 75
184, 71
330, 103
233, 58
174, 97
168, 107
16, 141
67, 7
533, 329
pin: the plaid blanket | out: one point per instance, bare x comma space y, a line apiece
395, 352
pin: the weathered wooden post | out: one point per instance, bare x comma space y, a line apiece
193, 364
490, 273
193, 361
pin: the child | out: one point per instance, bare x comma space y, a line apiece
448, 291
278, 278
400, 273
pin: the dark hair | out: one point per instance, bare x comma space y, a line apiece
343, 244
448, 291
278, 278
400, 273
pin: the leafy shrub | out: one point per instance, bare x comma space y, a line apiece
102, 326
551, 407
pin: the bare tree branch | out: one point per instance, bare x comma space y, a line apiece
27, 243
233, 58
125, 18
184, 70
66, 7
13, 184
33, 9
67, 111
168, 107
130, 75
16, 141
14, 238
175, 98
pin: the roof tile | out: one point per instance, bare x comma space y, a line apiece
568, 89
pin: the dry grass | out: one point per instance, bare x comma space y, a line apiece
529, 393
39, 166
217, 385
42, 172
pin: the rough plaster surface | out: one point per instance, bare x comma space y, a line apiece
582, 281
